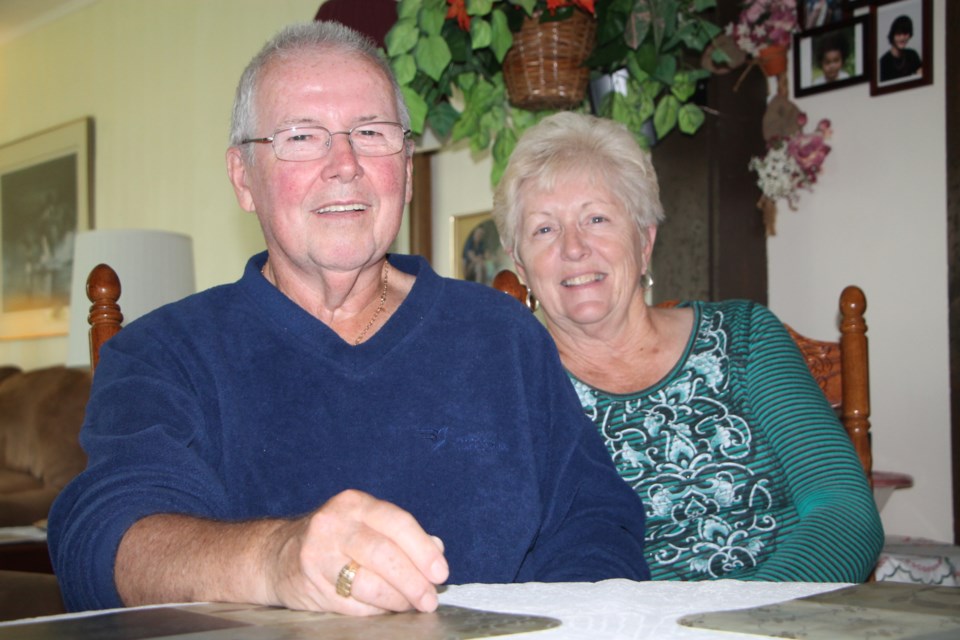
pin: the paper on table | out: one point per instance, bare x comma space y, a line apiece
218, 621
874, 610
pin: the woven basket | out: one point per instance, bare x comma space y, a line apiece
544, 67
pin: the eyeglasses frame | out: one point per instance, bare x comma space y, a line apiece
269, 139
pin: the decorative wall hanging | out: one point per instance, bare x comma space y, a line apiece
46, 197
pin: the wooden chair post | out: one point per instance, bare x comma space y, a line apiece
856, 374
103, 291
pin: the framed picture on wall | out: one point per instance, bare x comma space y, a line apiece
901, 51
830, 57
812, 14
477, 252
46, 196
850, 5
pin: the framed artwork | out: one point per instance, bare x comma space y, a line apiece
477, 252
901, 51
830, 57
46, 197
812, 14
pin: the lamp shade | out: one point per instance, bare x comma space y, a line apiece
154, 267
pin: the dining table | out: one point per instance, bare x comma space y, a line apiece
609, 610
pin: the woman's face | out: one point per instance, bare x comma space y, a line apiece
831, 64
581, 253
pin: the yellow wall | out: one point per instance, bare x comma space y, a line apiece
158, 78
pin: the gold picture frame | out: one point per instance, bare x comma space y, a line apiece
476, 234
46, 198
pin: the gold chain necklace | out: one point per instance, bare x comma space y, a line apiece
376, 314
383, 301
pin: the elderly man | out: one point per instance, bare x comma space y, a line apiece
312, 435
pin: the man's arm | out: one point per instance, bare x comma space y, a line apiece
290, 563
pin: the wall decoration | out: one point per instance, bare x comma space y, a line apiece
477, 252
46, 196
901, 47
812, 14
831, 57
791, 163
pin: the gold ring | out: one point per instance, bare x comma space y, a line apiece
345, 578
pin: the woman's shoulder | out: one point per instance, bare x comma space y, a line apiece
737, 315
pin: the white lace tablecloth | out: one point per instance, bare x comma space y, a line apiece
622, 609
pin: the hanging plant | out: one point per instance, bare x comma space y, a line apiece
449, 56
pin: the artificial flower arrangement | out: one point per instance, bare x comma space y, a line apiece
764, 23
790, 164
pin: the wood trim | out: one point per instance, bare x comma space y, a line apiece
421, 206
952, 42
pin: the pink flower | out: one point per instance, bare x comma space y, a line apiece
809, 150
765, 22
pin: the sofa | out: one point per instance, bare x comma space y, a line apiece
41, 412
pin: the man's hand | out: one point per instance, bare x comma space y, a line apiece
399, 563
290, 563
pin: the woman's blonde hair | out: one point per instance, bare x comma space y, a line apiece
572, 143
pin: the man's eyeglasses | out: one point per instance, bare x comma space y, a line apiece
300, 144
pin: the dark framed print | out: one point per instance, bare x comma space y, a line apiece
830, 57
901, 52
812, 14
46, 197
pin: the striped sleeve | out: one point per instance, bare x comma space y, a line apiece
840, 535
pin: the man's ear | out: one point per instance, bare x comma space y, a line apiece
237, 171
409, 178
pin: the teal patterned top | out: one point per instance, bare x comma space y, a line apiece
743, 467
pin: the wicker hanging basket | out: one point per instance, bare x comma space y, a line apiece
544, 67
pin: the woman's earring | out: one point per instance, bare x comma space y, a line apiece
646, 280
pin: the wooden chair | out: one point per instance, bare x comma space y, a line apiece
840, 368
25, 594
103, 291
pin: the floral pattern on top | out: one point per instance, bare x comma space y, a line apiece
686, 448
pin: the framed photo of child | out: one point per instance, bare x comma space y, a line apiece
830, 57
901, 51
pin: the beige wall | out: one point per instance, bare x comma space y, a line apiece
158, 76
878, 219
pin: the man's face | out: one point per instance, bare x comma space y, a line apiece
340, 212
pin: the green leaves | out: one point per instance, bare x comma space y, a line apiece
690, 118
405, 68
402, 37
452, 79
432, 55
480, 34
479, 7
502, 39
417, 107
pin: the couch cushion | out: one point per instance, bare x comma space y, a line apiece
41, 413
25, 595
